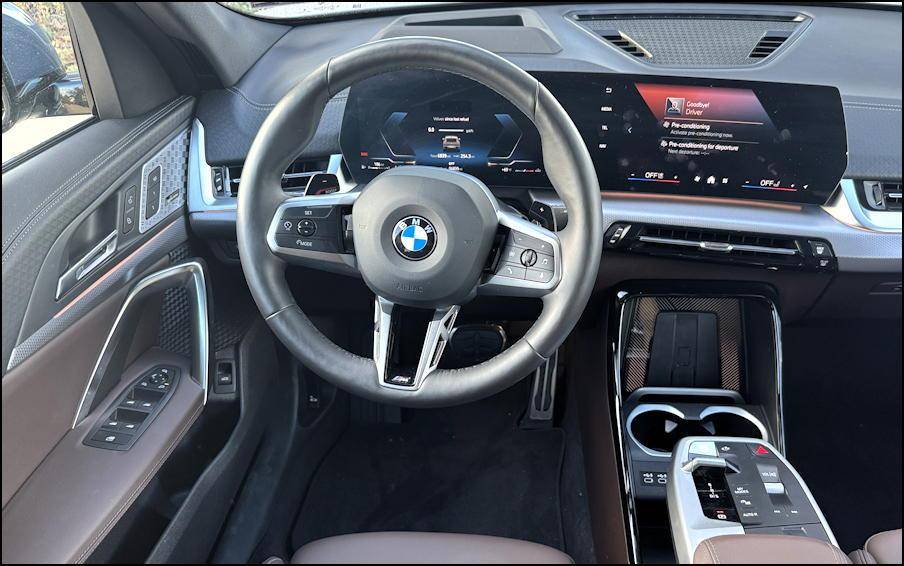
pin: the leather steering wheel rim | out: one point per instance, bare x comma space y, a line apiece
290, 127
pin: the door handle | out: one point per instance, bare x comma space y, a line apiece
86, 264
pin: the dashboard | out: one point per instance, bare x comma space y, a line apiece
657, 134
811, 111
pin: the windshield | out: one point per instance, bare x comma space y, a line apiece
314, 10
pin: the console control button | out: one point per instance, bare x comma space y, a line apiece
760, 450
821, 249
750, 516
768, 473
702, 448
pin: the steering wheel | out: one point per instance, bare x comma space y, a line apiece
421, 236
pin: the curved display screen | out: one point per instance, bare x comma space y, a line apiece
667, 135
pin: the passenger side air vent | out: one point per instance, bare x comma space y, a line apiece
623, 42
688, 39
765, 250
882, 195
226, 180
769, 43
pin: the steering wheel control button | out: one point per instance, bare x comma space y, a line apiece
545, 262
525, 241
538, 275
512, 271
311, 211
414, 237
308, 244
307, 227
528, 258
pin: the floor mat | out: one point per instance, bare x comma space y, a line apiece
842, 398
465, 469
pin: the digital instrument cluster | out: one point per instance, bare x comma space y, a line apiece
671, 135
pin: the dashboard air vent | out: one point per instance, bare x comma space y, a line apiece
767, 45
744, 248
688, 39
623, 42
882, 195
226, 180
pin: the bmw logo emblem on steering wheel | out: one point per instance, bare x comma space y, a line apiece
414, 237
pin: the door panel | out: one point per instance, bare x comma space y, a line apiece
89, 226
44, 215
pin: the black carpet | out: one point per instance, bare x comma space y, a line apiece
842, 393
465, 469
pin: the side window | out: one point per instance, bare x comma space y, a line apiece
43, 91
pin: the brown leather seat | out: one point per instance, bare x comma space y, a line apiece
767, 549
882, 548
426, 548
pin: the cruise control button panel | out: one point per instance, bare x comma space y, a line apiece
312, 228
134, 410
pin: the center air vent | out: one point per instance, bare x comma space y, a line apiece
769, 43
694, 40
623, 42
766, 250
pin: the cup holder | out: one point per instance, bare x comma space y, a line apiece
656, 429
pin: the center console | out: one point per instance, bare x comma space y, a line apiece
735, 486
697, 380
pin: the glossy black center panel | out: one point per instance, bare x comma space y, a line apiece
652, 134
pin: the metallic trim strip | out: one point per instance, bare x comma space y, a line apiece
846, 208
666, 408
638, 394
718, 246
110, 281
201, 197
194, 279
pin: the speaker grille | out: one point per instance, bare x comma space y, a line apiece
693, 41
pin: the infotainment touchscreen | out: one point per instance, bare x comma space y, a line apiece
670, 135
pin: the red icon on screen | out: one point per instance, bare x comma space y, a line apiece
762, 451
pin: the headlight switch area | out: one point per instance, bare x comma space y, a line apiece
134, 410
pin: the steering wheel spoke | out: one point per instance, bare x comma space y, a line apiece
386, 352
315, 231
529, 263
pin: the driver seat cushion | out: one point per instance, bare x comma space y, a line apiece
426, 548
